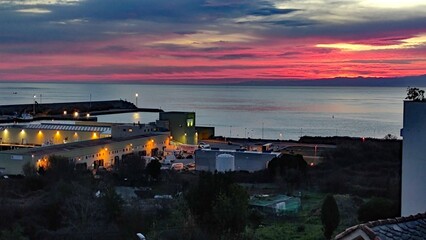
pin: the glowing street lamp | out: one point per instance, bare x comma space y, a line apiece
35, 96
136, 96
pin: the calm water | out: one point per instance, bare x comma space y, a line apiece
242, 111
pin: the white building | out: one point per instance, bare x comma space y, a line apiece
233, 160
413, 199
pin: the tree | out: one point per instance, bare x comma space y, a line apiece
219, 205
132, 167
154, 169
330, 216
16, 233
59, 167
230, 210
377, 208
415, 94
29, 170
290, 168
390, 137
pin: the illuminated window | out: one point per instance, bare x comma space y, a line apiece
190, 122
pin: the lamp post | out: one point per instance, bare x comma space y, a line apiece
34, 108
136, 96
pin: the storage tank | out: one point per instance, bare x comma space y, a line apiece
225, 162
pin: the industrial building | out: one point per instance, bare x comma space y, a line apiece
88, 145
42, 134
94, 144
181, 125
232, 160
413, 187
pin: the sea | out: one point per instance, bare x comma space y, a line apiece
268, 112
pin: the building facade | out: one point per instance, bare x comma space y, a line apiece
208, 159
181, 126
90, 153
413, 189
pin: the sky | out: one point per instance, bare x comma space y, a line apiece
210, 41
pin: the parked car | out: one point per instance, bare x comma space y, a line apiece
177, 166
190, 167
203, 145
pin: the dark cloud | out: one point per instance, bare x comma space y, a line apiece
114, 49
289, 54
95, 20
387, 61
236, 56
272, 11
186, 32
128, 70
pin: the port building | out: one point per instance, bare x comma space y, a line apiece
181, 125
88, 145
232, 160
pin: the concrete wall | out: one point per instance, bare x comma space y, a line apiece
204, 132
119, 131
414, 158
11, 163
205, 160
182, 126
16, 135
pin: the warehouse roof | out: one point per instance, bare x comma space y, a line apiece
47, 150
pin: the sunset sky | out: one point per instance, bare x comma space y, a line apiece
210, 41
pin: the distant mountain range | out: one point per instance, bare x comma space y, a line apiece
408, 81
413, 81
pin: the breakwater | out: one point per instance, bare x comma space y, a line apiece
68, 110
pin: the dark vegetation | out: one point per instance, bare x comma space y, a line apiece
330, 216
366, 169
59, 202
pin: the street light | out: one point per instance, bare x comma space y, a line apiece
34, 105
136, 95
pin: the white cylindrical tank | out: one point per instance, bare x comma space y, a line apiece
225, 162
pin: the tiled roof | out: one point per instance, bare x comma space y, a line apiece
401, 228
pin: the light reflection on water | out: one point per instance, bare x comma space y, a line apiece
241, 111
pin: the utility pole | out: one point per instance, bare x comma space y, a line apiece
262, 129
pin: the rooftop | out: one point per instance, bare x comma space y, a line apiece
47, 150
404, 228
266, 200
69, 127
60, 126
